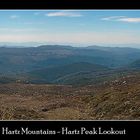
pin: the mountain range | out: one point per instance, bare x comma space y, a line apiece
61, 64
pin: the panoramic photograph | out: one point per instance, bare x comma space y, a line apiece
70, 65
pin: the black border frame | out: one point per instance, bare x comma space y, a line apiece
69, 4
132, 127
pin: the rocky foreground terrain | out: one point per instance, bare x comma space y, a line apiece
119, 100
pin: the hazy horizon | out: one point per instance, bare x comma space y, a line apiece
36, 44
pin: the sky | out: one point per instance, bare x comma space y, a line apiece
71, 26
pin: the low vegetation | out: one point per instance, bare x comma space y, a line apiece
118, 99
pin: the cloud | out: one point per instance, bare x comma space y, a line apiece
14, 16
130, 20
123, 19
63, 14
113, 18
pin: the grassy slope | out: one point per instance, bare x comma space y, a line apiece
119, 99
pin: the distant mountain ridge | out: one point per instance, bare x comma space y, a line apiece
26, 59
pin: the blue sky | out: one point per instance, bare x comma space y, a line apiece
70, 26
